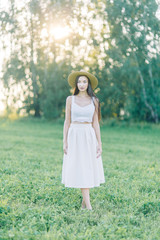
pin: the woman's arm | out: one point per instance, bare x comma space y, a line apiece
67, 121
95, 124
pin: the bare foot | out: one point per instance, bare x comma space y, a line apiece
89, 207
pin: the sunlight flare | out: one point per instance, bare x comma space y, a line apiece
59, 32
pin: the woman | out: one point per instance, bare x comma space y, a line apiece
82, 163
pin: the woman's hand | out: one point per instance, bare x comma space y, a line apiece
65, 147
99, 150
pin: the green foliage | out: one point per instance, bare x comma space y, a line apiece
116, 40
55, 91
132, 76
150, 207
35, 205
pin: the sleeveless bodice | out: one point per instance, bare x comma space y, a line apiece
82, 114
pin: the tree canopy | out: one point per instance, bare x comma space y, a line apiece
117, 40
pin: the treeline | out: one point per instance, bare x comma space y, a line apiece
118, 41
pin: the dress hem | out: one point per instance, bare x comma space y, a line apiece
84, 186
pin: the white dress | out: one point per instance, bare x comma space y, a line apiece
81, 168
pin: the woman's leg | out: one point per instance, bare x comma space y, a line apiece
86, 198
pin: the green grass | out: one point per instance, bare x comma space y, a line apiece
35, 205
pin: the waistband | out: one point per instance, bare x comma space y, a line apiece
81, 125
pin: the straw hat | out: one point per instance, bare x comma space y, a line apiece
72, 78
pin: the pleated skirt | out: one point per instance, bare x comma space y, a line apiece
81, 168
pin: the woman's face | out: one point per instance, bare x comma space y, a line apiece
82, 83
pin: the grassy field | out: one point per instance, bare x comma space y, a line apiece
35, 205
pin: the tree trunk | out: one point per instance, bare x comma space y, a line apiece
34, 79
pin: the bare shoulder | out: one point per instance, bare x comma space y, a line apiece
96, 101
68, 100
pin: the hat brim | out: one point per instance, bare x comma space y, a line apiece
72, 78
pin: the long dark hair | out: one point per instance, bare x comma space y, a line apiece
90, 93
